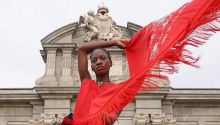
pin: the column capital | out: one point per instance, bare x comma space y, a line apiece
67, 50
51, 50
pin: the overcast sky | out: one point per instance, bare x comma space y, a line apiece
23, 23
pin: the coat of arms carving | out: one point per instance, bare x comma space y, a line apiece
100, 25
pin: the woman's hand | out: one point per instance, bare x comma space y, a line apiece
121, 43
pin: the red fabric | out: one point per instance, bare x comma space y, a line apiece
67, 121
89, 90
160, 43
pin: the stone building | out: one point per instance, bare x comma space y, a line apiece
55, 92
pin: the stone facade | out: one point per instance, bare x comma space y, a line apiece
54, 94
164, 106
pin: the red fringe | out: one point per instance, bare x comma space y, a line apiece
205, 27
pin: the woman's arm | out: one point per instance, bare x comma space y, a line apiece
87, 48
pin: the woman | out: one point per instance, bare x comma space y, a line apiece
100, 64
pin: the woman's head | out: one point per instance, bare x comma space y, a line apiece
100, 61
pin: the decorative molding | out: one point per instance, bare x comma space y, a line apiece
141, 119
201, 123
48, 119
153, 119
157, 119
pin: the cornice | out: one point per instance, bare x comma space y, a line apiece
65, 29
194, 94
18, 94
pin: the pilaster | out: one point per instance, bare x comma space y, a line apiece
50, 64
167, 106
66, 78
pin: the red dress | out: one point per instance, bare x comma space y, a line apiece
160, 43
89, 91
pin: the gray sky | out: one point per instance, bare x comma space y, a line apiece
24, 23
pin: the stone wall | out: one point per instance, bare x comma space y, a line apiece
164, 106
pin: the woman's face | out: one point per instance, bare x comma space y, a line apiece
100, 62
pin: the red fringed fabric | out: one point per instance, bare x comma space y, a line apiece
159, 46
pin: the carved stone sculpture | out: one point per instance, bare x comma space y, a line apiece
100, 26
141, 119
157, 119
89, 21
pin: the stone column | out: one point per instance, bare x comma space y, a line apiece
125, 67
50, 66
66, 78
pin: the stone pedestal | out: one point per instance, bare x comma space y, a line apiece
149, 107
49, 79
57, 100
150, 102
56, 106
